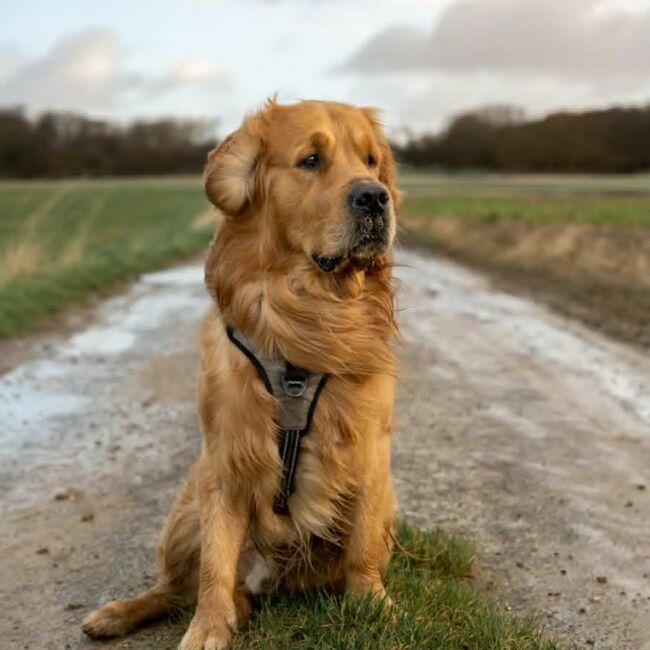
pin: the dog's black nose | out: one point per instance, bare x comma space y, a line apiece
368, 198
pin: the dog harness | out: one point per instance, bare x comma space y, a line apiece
297, 391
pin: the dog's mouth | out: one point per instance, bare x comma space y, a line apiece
369, 247
327, 263
362, 255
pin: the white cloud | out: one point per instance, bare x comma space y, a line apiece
186, 76
195, 72
86, 71
82, 69
573, 40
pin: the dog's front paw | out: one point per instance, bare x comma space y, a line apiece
386, 600
360, 586
214, 635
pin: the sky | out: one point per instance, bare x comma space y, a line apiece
419, 61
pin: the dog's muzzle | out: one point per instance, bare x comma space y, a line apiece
369, 205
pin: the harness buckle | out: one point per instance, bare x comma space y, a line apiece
294, 382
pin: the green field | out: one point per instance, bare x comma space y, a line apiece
614, 200
61, 241
435, 608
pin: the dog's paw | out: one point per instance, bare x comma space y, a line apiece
215, 636
359, 585
382, 596
107, 621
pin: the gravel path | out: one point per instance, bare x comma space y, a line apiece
527, 432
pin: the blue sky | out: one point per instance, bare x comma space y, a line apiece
418, 60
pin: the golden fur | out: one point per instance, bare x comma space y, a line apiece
262, 276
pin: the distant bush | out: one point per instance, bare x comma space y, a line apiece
63, 144
613, 140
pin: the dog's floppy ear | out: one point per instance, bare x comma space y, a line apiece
387, 166
229, 175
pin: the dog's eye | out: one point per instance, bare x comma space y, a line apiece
312, 161
372, 161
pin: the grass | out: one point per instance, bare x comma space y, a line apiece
436, 607
611, 200
481, 182
60, 241
537, 209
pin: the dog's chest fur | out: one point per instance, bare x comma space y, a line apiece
333, 458
328, 476
310, 540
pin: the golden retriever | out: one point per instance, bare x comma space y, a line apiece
301, 264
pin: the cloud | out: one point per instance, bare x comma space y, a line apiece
188, 74
10, 60
574, 40
86, 72
80, 69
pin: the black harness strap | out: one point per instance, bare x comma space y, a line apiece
297, 391
251, 357
289, 447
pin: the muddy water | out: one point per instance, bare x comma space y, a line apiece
526, 431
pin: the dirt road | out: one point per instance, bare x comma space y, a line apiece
525, 431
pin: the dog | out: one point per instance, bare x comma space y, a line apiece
300, 275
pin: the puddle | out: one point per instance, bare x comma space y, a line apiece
100, 341
37, 397
25, 408
164, 307
184, 276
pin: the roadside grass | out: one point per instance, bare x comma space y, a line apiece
436, 607
611, 210
63, 240
614, 200
423, 181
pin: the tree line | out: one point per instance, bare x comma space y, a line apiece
496, 138
615, 140
62, 144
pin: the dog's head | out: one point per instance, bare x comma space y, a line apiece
320, 174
